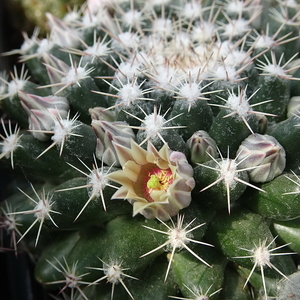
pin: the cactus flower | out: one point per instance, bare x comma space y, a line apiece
157, 183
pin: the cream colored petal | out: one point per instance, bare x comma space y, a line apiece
152, 153
138, 153
164, 153
174, 172
124, 154
152, 149
159, 196
131, 170
164, 198
138, 207
132, 195
144, 209
118, 176
152, 210
121, 193
154, 157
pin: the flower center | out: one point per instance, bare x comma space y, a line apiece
153, 183
159, 180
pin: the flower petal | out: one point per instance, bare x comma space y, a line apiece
154, 156
124, 154
118, 176
121, 193
131, 170
139, 154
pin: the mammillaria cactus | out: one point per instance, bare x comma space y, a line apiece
155, 151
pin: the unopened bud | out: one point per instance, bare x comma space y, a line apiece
102, 114
263, 155
107, 133
42, 111
202, 147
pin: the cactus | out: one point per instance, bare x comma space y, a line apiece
154, 147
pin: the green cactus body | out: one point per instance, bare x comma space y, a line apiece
153, 148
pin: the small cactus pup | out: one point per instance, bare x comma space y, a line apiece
153, 148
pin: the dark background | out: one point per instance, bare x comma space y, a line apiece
16, 273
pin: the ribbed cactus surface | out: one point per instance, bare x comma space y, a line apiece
155, 151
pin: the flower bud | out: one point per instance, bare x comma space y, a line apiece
263, 155
107, 133
62, 34
262, 123
56, 70
202, 147
42, 111
102, 114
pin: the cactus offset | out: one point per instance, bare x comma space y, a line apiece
149, 130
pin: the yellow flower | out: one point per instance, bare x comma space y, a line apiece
157, 183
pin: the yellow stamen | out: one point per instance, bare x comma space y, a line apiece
159, 181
